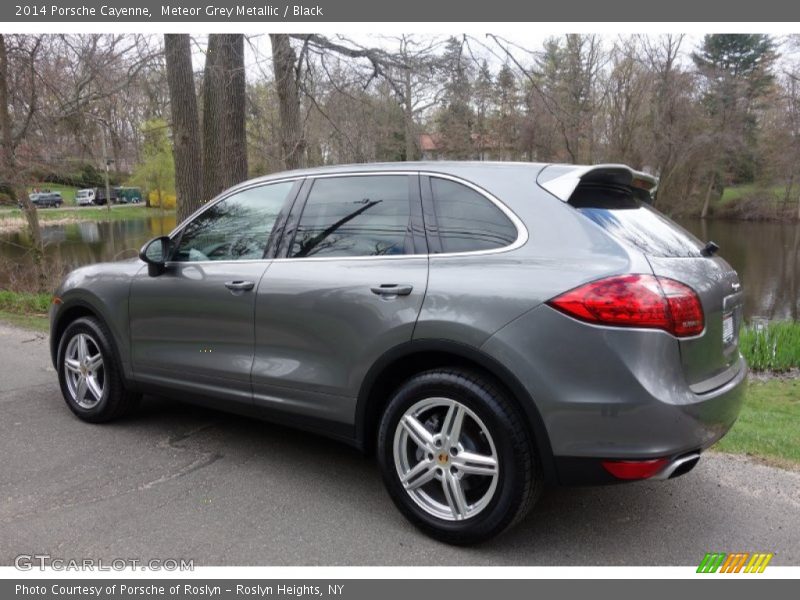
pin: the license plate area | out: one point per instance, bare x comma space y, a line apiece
732, 315
728, 328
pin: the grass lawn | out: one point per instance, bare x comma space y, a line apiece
24, 309
769, 426
34, 322
736, 192
89, 213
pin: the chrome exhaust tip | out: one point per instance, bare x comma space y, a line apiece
680, 466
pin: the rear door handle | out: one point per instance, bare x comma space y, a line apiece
392, 289
240, 286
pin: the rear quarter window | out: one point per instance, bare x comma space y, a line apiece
633, 221
468, 221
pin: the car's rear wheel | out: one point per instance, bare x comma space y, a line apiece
456, 457
89, 373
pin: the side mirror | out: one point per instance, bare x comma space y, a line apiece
155, 253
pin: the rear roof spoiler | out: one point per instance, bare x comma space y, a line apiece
562, 180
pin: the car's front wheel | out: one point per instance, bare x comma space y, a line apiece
89, 375
456, 457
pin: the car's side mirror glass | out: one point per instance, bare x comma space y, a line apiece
156, 253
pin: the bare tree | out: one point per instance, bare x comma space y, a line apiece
287, 81
12, 175
185, 124
224, 140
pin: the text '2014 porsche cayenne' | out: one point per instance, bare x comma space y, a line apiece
483, 328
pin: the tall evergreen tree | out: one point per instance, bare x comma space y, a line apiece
737, 75
457, 118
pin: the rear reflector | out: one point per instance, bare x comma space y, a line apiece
634, 469
636, 300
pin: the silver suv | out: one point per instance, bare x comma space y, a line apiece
483, 328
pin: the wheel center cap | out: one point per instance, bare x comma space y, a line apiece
443, 458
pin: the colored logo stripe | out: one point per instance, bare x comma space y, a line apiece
758, 563
735, 562
711, 562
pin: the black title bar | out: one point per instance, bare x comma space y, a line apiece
439, 11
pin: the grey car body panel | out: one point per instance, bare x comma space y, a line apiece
319, 328
472, 296
102, 289
188, 331
617, 393
317, 333
705, 356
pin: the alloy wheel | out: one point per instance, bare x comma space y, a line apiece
446, 459
84, 371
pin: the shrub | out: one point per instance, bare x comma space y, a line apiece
771, 346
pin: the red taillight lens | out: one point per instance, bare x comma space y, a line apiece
684, 307
636, 300
634, 469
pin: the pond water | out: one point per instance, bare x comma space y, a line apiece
77, 244
766, 254
767, 258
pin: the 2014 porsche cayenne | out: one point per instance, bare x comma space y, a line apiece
482, 327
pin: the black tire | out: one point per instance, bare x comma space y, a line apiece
116, 401
519, 478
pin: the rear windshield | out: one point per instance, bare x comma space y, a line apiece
629, 219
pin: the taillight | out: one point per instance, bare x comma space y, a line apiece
634, 469
636, 300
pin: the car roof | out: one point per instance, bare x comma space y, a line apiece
434, 166
485, 173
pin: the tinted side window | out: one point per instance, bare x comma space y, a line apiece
236, 228
467, 220
355, 216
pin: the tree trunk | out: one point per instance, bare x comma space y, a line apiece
185, 125
213, 108
224, 134
707, 199
234, 123
408, 112
10, 171
284, 63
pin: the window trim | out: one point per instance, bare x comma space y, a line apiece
414, 219
432, 223
295, 204
522, 231
270, 248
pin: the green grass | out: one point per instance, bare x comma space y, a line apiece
746, 190
769, 425
98, 213
34, 322
24, 302
772, 346
25, 309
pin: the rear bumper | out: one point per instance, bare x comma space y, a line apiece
571, 470
612, 394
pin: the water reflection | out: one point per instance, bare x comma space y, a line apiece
767, 257
78, 244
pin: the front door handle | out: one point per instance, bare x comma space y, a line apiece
240, 286
392, 289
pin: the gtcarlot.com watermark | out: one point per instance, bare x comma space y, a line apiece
29, 562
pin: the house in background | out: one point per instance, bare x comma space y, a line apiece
483, 147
